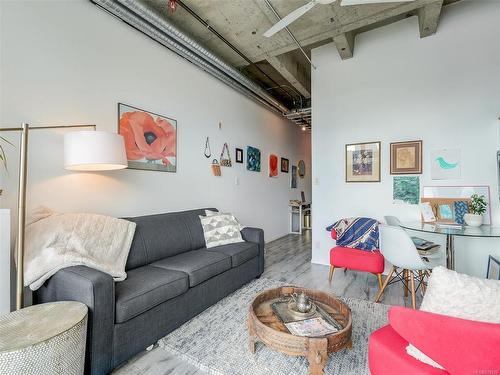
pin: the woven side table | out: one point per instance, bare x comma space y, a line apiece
44, 339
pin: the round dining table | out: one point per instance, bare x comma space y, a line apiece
484, 231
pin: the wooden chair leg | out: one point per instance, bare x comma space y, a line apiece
405, 282
379, 277
412, 286
330, 275
421, 275
387, 279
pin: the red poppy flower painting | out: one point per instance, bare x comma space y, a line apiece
150, 139
273, 165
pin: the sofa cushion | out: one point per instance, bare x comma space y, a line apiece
146, 287
160, 236
387, 356
200, 265
239, 252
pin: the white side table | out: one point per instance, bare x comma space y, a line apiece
44, 339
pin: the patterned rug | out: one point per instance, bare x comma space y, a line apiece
216, 340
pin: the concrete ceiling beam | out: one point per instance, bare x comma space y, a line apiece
294, 71
345, 44
428, 18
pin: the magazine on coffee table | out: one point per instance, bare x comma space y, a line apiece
315, 324
314, 327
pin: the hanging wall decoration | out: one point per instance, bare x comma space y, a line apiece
273, 165
216, 168
284, 165
362, 162
293, 177
445, 164
406, 157
253, 159
239, 155
208, 152
302, 168
150, 139
225, 162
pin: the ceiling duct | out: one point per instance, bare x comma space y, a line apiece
155, 26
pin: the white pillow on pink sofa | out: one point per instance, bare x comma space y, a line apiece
460, 296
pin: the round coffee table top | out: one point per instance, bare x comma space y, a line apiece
266, 327
38, 323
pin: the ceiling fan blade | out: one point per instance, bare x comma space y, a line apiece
361, 2
289, 18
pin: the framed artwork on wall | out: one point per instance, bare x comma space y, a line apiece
293, 177
273, 165
150, 139
253, 159
406, 157
239, 155
406, 189
445, 164
362, 162
302, 168
285, 163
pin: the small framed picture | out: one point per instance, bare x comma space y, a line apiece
239, 155
362, 162
445, 212
493, 271
406, 157
285, 165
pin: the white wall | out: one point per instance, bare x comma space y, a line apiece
68, 62
444, 89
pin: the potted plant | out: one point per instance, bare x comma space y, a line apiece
477, 208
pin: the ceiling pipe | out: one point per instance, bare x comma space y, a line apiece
153, 25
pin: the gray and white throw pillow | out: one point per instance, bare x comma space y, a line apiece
229, 215
461, 296
220, 229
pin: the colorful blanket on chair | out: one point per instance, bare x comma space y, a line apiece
356, 232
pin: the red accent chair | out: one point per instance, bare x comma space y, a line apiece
354, 259
460, 346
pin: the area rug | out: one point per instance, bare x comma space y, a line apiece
216, 341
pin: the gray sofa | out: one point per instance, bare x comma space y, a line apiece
171, 277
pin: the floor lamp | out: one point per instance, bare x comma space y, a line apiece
83, 151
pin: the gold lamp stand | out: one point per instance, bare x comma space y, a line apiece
21, 199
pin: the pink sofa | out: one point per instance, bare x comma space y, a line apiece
460, 346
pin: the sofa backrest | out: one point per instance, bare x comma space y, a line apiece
164, 235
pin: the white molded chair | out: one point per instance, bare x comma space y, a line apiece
395, 222
398, 249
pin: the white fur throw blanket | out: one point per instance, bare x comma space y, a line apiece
55, 241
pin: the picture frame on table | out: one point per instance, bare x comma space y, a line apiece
362, 162
493, 271
406, 157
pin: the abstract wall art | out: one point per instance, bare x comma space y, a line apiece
362, 162
406, 189
273, 165
239, 155
150, 139
253, 159
445, 164
302, 168
293, 177
406, 157
285, 163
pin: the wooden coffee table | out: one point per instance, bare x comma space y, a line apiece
266, 327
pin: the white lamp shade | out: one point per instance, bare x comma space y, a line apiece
94, 151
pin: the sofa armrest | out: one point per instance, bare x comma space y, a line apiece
255, 235
96, 289
461, 346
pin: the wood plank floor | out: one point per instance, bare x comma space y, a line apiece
288, 259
